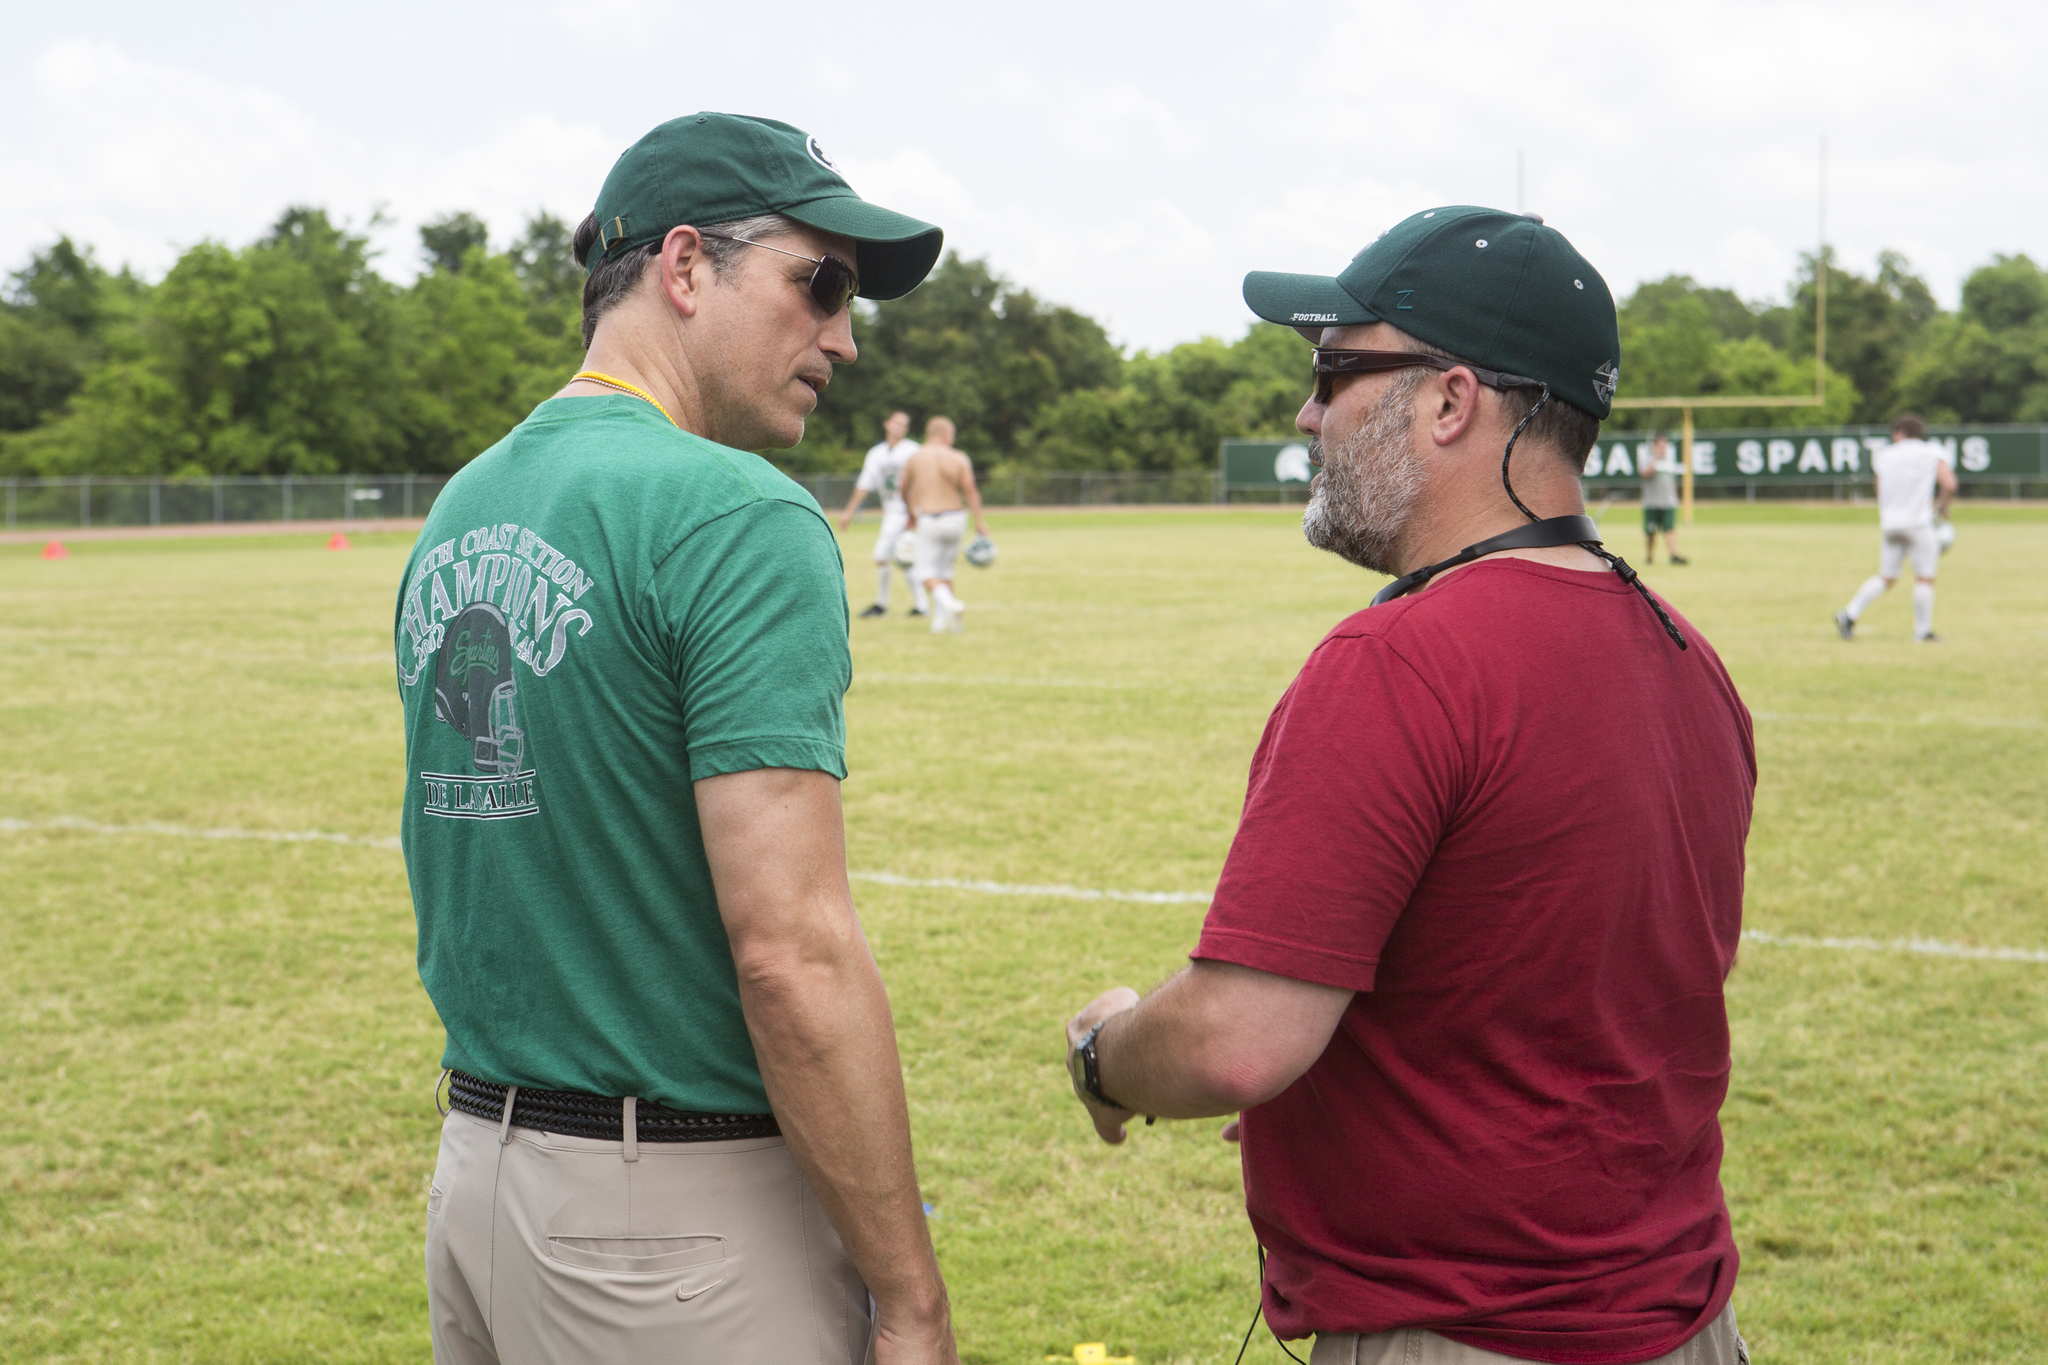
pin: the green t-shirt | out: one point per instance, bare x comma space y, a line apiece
601, 610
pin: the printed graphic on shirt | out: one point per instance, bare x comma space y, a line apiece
476, 608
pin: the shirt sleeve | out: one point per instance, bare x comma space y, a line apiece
1353, 785
756, 606
870, 480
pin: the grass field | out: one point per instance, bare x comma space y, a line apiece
216, 1055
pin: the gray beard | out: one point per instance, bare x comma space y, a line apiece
1361, 501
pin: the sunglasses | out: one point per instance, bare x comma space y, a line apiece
1329, 363
833, 284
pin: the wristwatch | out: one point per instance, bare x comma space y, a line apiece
1086, 1071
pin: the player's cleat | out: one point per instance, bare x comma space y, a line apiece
1845, 625
919, 611
1675, 559
1930, 638
939, 623
876, 610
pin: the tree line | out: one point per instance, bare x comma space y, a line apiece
293, 355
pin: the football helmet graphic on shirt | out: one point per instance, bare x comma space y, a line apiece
474, 688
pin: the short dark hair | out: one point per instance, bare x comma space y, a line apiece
612, 279
1563, 426
1912, 424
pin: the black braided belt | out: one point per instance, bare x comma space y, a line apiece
594, 1116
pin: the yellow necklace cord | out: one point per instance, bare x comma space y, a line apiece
623, 387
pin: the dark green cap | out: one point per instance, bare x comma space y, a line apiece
710, 168
1498, 289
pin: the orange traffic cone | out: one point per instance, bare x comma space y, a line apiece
337, 541
55, 550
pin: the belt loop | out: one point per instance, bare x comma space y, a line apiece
441, 1081
505, 1124
629, 1125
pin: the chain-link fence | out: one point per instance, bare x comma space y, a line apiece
1055, 488
90, 501
86, 500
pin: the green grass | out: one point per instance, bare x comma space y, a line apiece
217, 1055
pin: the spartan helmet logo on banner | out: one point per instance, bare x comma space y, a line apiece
474, 688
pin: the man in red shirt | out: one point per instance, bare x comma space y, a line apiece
1463, 974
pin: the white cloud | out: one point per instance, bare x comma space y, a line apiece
1131, 168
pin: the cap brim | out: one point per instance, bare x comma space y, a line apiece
1307, 303
896, 250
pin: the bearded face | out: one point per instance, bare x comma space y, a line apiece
1361, 502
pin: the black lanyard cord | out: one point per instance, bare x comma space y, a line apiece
1541, 532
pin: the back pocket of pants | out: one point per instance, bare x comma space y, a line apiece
637, 1255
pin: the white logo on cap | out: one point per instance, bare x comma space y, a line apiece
1315, 317
818, 155
1604, 380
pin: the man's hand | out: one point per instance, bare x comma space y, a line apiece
1109, 1121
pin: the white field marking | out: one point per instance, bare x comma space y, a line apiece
72, 824
208, 655
1101, 684
1061, 892
1987, 722
1929, 946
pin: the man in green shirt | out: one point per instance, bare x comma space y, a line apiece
677, 1124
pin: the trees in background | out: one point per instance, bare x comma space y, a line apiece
294, 355
289, 356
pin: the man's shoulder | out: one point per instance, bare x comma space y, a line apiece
627, 461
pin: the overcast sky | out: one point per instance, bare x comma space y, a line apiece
1133, 161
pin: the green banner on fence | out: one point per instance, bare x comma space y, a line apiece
1266, 464
1786, 453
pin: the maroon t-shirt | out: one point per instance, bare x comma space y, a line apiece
1509, 812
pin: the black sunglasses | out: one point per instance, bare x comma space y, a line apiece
1329, 363
833, 284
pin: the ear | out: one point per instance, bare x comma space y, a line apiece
1457, 394
685, 269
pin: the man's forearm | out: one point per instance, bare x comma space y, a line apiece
827, 1047
1216, 1038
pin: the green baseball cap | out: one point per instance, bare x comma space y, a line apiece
1498, 289
710, 168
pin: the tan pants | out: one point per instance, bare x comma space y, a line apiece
544, 1248
1718, 1343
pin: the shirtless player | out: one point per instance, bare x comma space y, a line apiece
938, 488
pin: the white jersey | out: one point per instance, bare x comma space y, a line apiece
1905, 484
882, 472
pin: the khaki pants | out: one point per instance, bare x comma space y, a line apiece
544, 1248
1718, 1343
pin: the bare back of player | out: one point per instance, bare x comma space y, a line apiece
938, 488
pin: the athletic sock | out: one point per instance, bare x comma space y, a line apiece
944, 594
882, 576
1923, 610
1872, 588
919, 598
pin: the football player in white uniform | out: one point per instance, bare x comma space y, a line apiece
882, 474
1909, 472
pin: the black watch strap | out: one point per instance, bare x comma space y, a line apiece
1086, 1070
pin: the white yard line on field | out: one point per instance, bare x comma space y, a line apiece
73, 824
1930, 946
1056, 890
1986, 722
1083, 684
